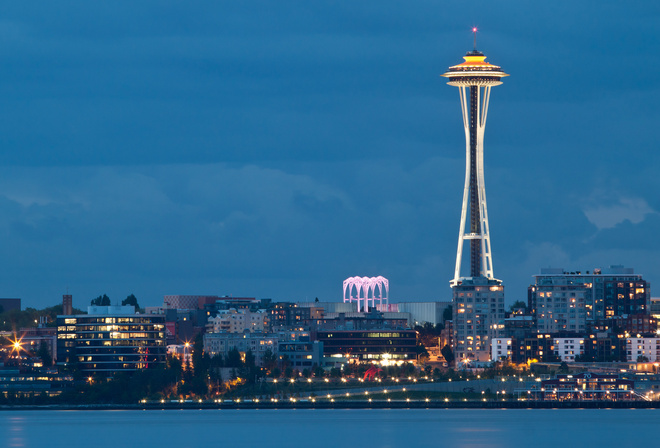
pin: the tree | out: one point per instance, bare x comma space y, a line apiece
428, 334
250, 370
448, 354
44, 354
200, 360
131, 300
234, 359
642, 358
518, 304
319, 372
103, 300
269, 360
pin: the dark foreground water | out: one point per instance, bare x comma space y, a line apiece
332, 428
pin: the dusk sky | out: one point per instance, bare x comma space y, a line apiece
273, 149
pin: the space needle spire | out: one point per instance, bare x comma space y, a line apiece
474, 78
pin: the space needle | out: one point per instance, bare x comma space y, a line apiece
477, 298
474, 78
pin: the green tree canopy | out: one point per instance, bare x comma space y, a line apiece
448, 354
131, 300
44, 354
103, 300
518, 304
234, 358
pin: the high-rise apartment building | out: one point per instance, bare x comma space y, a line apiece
610, 292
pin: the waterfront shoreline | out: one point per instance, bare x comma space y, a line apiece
345, 405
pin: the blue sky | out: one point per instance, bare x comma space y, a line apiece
273, 149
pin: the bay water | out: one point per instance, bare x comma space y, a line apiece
363, 428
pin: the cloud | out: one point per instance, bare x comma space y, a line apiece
608, 216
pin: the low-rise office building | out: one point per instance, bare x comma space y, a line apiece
301, 354
111, 339
391, 345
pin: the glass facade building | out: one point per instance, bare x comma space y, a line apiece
110, 343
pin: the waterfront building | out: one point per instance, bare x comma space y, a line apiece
501, 349
478, 298
643, 349
585, 386
301, 354
43, 382
608, 292
111, 339
567, 349
391, 345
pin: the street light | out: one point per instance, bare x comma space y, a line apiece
16, 345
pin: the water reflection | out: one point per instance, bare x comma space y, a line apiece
16, 431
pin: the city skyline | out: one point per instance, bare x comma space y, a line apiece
257, 150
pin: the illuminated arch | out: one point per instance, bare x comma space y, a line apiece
367, 291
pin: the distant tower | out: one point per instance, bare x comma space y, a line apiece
67, 304
478, 299
474, 78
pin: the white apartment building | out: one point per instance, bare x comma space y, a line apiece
568, 348
500, 349
638, 348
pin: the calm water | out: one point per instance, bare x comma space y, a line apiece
331, 428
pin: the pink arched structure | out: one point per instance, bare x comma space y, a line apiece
363, 291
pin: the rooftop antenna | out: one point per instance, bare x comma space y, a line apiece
474, 31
